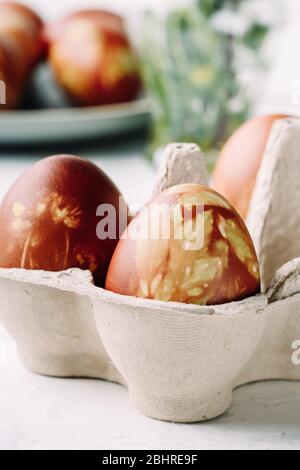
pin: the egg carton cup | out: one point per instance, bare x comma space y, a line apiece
180, 362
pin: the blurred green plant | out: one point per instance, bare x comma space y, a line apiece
210, 7
191, 69
255, 35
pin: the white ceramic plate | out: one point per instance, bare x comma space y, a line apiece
68, 124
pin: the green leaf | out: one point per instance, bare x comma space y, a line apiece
255, 36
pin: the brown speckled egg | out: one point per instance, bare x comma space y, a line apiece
48, 218
223, 267
238, 164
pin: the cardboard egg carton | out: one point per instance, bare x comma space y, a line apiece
180, 362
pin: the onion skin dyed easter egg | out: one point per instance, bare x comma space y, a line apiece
21, 47
238, 164
92, 59
207, 259
48, 218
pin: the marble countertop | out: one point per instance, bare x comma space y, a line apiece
45, 413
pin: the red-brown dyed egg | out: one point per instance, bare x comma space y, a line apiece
92, 58
48, 218
104, 20
206, 258
10, 90
238, 164
21, 43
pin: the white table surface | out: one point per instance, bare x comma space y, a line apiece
44, 413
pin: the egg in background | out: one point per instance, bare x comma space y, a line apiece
236, 169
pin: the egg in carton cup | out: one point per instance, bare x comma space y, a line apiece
180, 362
